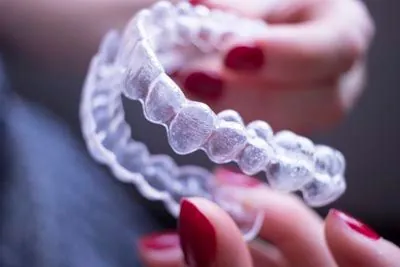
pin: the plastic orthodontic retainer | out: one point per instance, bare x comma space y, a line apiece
158, 41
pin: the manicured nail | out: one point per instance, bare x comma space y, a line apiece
245, 58
196, 2
356, 225
234, 177
207, 86
160, 241
197, 236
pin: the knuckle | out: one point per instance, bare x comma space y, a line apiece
355, 37
366, 20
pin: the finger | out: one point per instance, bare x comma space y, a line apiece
263, 253
353, 243
289, 225
294, 53
160, 250
284, 106
209, 237
319, 45
252, 8
266, 255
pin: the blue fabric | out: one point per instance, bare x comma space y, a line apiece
3, 93
57, 207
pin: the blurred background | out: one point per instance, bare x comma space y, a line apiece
369, 137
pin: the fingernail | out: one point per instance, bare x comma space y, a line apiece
245, 58
356, 225
160, 241
197, 236
207, 86
233, 177
195, 2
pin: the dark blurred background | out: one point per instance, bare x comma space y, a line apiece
369, 137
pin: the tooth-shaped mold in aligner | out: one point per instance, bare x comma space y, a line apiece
141, 72
191, 127
159, 171
328, 182
135, 31
130, 65
226, 142
293, 166
164, 101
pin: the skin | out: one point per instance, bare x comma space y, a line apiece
314, 62
299, 237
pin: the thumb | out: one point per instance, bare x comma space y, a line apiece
352, 243
209, 237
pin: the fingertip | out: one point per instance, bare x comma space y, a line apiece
208, 235
353, 243
196, 2
204, 85
208, 3
160, 249
245, 57
211, 4
202, 80
340, 220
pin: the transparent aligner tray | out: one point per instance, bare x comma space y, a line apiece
157, 177
160, 40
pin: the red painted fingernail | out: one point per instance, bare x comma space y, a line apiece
206, 86
160, 241
232, 176
195, 2
245, 58
356, 225
197, 236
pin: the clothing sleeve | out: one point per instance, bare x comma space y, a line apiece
59, 208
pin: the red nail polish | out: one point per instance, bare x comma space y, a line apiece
206, 86
195, 2
245, 58
233, 177
197, 236
160, 241
356, 225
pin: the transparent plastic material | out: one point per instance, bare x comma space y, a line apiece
135, 64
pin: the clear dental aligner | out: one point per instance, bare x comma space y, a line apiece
160, 40
157, 177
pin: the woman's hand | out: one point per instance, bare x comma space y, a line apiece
304, 74
292, 235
